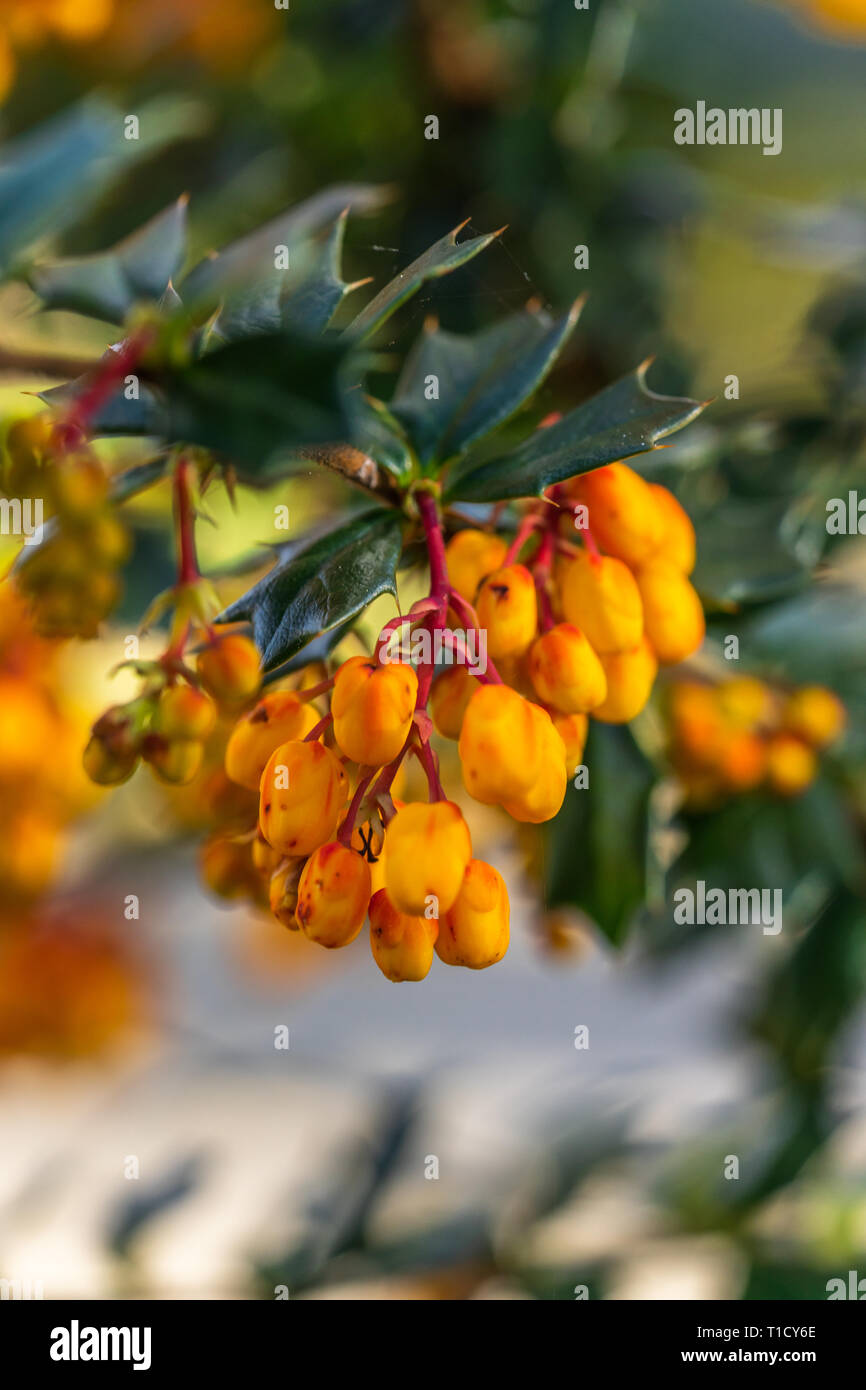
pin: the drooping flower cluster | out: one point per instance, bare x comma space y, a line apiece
567, 631
737, 735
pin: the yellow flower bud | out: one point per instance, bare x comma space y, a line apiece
545, 794
815, 715
745, 702
601, 597
791, 765
176, 762
333, 895
672, 612
303, 792
184, 712
498, 744
105, 767
227, 869
470, 557
450, 695
507, 608
630, 677
283, 892
402, 945
624, 516
474, 932
741, 761
565, 671
229, 669
372, 707
428, 848
678, 534
279, 717
572, 729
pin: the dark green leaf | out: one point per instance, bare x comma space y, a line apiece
255, 398
753, 551
322, 586
440, 259
145, 415
625, 419
483, 378
319, 649
107, 285
309, 306
247, 265
597, 849
137, 478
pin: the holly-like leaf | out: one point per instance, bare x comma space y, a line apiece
598, 847
445, 255
309, 306
626, 418
322, 586
482, 379
755, 550
106, 286
247, 267
118, 415
257, 398
319, 649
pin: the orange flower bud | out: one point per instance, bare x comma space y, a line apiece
678, 534
745, 702
474, 932
333, 895
471, 556
266, 860
672, 612
572, 729
791, 765
279, 717
176, 762
545, 794
815, 715
624, 516
698, 725
283, 893
601, 597
565, 670
227, 869
303, 791
428, 848
742, 761
229, 669
184, 712
630, 677
507, 608
372, 707
106, 767
402, 945
498, 744
449, 697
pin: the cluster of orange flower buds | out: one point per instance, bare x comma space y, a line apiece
573, 632
71, 578
168, 724
740, 734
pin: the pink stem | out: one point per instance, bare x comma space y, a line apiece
348, 826
108, 375
455, 639
430, 763
524, 531
319, 729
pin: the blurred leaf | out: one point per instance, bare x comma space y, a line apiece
625, 419
753, 551
252, 399
597, 849
310, 306
247, 265
376, 432
107, 285
441, 258
483, 378
137, 478
322, 586
145, 415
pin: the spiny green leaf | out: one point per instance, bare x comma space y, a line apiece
107, 285
626, 418
145, 415
322, 586
258, 397
137, 478
483, 378
309, 306
246, 266
440, 259
597, 848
